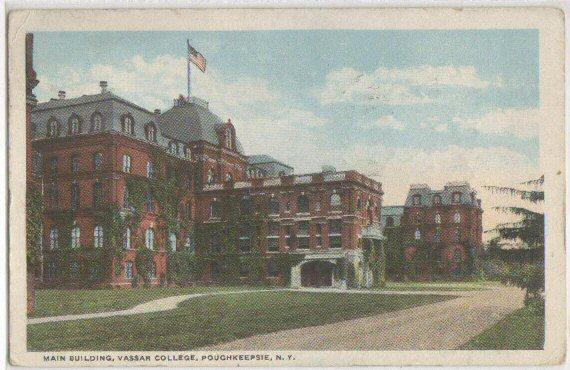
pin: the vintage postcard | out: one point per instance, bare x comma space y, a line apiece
286, 187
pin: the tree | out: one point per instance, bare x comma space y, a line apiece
529, 229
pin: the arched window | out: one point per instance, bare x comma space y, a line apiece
303, 204
416, 200
52, 128
75, 196
96, 122
127, 238
211, 176
187, 152
418, 234
359, 203
127, 163
97, 161
437, 218
149, 238
150, 132
215, 209
74, 125
335, 202
436, 199
75, 237
97, 195
457, 217
229, 139
172, 241
149, 170
389, 221
127, 124
173, 148
456, 198
98, 236
53, 238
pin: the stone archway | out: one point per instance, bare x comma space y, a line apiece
317, 273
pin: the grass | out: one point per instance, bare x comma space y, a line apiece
439, 286
57, 302
522, 329
209, 320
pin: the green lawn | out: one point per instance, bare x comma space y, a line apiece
213, 319
56, 302
520, 330
439, 286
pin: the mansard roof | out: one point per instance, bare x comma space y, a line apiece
85, 99
468, 194
264, 158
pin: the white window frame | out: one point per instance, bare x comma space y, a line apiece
127, 238
172, 241
149, 238
126, 163
98, 236
75, 237
54, 238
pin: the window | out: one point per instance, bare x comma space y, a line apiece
303, 204
317, 206
457, 217
335, 226
418, 234
272, 270
436, 199
149, 170
215, 210
273, 206
229, 139
173, 148
416, 200
96, 122
128, 124
127, 238
74, 196
127, 163
75, 237
211, 176
128, 270
335, 241
456, 198
289, 235
189, 244
245, 206
53, 166
37, 164
52, 128
389, 221
457, 235
172, 241
74, 125
150, 132
457, 256
97, 195
304, 228
149, 202
437, 235
229, 177
98, 236
74, 163
437, 218
74, 269
319, 231
126, 198
244, 239
187, 152
358, 203
273, 244
149, 238
51, 270
53, 238
215, 243
53, 195
97, 161
335, 202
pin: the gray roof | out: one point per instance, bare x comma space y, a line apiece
84, 99
263, 158
392, 211
446, 194
192, 122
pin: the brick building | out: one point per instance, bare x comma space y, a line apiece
442, 229
91, 149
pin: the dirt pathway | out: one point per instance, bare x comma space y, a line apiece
444, 325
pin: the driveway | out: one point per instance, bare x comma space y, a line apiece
439, 326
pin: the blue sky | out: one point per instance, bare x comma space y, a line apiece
400, 106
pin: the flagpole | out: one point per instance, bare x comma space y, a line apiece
189, 72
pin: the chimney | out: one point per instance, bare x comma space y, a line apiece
61, 94
103, 86
157, 111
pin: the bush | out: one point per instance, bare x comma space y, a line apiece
529, 277
135, 282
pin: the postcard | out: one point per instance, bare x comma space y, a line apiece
287, 187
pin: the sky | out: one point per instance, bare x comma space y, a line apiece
401, 106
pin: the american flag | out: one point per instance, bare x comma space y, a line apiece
196, 58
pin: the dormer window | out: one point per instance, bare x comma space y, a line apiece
128, 124
418, 234
437, 218
211, 176
187, 152
53, 128
229, 177
96, 122
150, 132
173, 148
437, 199
74, 125
416, 200
457, 217
456, 198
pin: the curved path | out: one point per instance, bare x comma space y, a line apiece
443, 325
170, 303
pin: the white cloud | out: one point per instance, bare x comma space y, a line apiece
522, 123
389, 121
397, 86
442, 127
